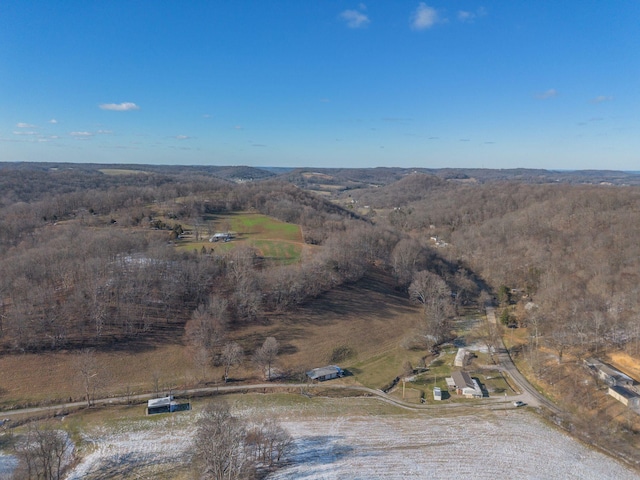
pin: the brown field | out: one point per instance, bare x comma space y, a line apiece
370, 317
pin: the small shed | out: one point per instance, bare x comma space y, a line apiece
166, 405
437, 393
325, 373
462, 357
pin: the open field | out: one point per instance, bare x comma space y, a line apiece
369, 317
359, 438
273, 239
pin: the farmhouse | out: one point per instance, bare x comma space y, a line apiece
608, 374
464, 385
325, 373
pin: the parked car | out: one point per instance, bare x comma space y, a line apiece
518, 403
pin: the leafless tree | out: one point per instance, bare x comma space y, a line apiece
220, 445
86, 365
270, 442
232, 354
429, 290
266, 355
404, 258
42, 453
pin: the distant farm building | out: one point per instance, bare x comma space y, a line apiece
224, 237
325, 373
608, 374
464, 385
627, 397
166, 405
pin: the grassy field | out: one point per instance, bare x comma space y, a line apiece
370, 318
276, 241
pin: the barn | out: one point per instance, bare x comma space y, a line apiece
166, 405
325, 373
625, 396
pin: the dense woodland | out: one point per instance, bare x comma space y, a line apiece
87, 257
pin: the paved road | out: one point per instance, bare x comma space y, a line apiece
528, 394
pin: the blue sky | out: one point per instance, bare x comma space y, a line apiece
496, 84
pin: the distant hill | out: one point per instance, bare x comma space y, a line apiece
408, 189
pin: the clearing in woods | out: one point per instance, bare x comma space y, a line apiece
274, 240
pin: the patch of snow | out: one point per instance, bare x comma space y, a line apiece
502, 444
8, 463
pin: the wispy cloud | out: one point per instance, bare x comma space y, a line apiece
325, 100
53, 121
552, 92
467, 16
355, 19
25, 132
238, 127
104, 132
602, 98
81, 134
120, 107
424, 17
182, 137
24, 125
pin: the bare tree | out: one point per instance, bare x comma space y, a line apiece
42, 453
86, 365
270, 442
206, 330
220, 444
404, 258
434, 295
266, 355
232, 354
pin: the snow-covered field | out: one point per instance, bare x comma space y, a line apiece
496, 444
507, 445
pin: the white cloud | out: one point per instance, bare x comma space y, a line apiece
24, 125
239, 127
469, 17
552, 92
355, 19
182, 137
22, 132
53, 121
424, 17
602, 98
81, 134
104, 132
120, 107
